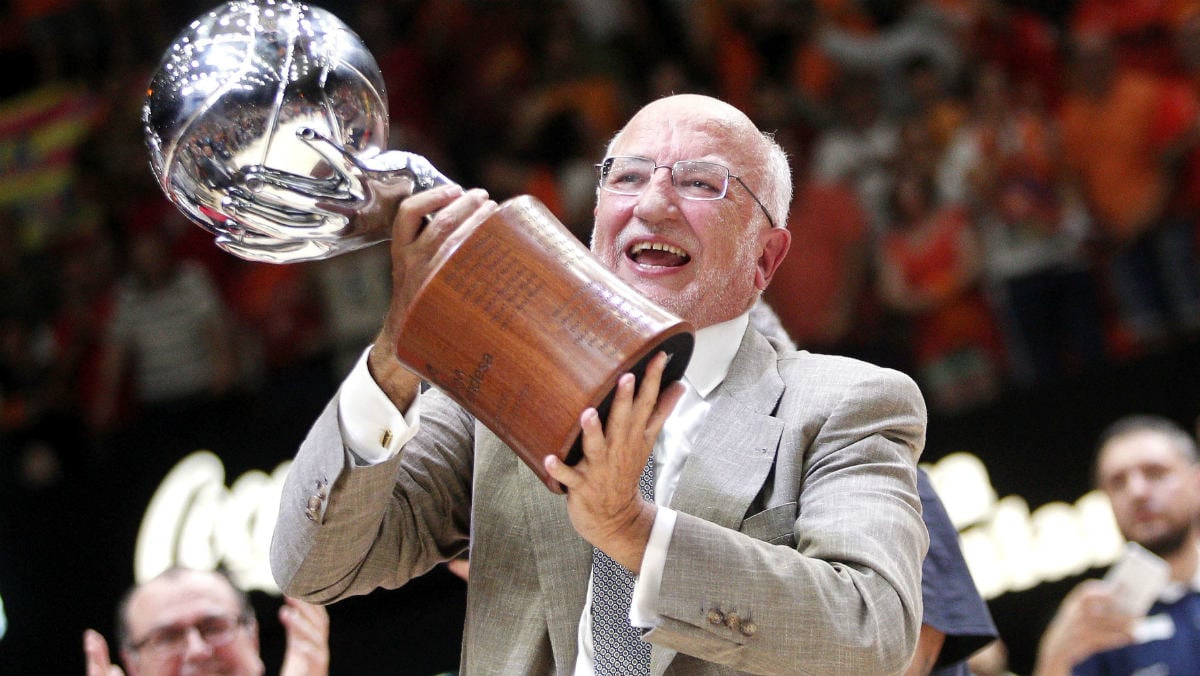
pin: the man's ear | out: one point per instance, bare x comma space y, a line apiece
775, 245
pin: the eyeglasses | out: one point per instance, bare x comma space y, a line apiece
216, 631
693, 179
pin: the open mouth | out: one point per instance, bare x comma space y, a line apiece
657, 254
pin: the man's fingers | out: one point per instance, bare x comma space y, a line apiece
95, 648
457, 210
650, 389
307, 628
96, 656
636, 413
483, 210
449, 217
652, 379
410, 215
561, 472
638, 399
664, 399
666, 403
618, 412
308, 621
618, 445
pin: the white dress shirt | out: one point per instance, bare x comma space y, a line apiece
374, 430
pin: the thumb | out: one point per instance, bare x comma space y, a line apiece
96, 655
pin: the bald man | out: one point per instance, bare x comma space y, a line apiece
784, 533
186, 622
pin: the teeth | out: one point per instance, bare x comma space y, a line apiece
657, 246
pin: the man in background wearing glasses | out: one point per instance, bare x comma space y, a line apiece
193, 623
783, 534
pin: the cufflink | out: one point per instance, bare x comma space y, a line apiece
385, 438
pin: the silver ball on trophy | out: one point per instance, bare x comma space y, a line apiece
267, 125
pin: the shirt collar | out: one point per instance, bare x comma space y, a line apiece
714, 351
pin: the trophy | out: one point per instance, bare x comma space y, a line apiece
267, 125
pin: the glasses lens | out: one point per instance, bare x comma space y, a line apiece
625, 175
701, 180
215, 631
693, 180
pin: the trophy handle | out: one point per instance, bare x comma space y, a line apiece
275, 211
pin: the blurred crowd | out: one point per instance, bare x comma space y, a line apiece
989, 195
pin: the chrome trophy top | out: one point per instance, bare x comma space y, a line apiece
267, 124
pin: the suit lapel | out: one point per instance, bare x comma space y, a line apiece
734, 449
564, 561
732, 455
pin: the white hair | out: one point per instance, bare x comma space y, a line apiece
777, 195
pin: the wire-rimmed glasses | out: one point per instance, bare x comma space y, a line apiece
215, 630
693, 179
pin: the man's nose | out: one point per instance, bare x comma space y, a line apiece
658, 200
196, 646
1138, 485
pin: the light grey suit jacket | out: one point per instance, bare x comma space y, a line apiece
799, 513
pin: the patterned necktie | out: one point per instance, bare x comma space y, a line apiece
618, 646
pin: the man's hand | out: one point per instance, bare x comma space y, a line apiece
929, 647
96, 657
307, 629
1087, 622
603, 499
423, 234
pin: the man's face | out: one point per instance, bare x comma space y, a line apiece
1152, 487
702, 260
188, 605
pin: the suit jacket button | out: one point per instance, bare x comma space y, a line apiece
715, 617
733, 621
749, 628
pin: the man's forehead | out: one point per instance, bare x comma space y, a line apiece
1143, 447
689, 133
162, 600
670, 137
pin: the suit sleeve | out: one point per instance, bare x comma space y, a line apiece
346, 530
836, 590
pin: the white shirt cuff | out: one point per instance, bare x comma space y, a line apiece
642, 611
373, 429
